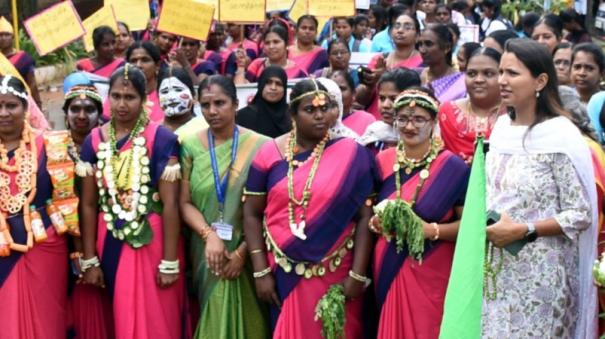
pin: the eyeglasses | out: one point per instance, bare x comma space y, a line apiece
416, 120
406, 27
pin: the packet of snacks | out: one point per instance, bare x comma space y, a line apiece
62, 176
69, 209
56, 144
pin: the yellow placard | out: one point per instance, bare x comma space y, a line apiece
241, 11
322, 21
135, 13
278, 5
299, 8
186, 18
332, 8
54, 27
103, 17
213, 3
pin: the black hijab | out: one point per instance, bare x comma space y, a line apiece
261, 116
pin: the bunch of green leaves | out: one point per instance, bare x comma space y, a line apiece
330, 310
399, 220
67, 55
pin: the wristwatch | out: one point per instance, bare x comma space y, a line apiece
531, 234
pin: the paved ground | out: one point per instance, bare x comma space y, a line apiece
52, 102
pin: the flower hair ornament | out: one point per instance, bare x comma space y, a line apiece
125, 81
320, 99
6, 89
414, 97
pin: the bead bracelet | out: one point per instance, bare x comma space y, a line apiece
359, 277
86, 264
262, 273
169, 267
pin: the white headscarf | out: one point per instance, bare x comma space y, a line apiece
338, 130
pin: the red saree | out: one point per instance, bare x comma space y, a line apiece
410, 295
459, 129
337, 196
104, 71
141, 309
33, 285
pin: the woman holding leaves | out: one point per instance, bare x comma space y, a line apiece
421, 198
305, 199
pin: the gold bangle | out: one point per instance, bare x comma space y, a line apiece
75, 255
262, 273
436, 227
205, 232
256, 251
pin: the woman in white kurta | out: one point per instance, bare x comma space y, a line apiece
540, 178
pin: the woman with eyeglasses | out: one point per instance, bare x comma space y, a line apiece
411, 284
403, 31
187, 56
436, 46
562, 58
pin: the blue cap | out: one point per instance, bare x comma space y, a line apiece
75, 79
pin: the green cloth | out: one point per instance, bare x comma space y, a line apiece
229, 308
464, 297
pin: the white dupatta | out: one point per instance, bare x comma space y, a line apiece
560, 135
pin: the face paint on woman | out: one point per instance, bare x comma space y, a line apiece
175, 97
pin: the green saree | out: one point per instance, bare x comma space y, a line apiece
229, 308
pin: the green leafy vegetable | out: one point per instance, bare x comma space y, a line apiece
330, 310
399, 220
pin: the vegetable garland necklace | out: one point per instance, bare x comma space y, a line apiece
127, 201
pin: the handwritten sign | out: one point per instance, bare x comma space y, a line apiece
186, 18
135, 13
54, 27
213, 3
299, 8
241, 11
103, 17
278, 5
332, 8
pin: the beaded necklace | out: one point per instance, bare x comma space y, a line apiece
298, 229
401, 160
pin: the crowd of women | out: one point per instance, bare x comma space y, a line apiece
180, 215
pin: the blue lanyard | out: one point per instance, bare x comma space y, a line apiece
221, 185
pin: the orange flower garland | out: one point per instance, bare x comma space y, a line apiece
26, 170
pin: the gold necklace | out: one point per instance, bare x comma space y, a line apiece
298, 229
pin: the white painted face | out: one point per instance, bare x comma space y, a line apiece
175, 97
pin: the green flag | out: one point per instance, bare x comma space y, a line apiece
464, 297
